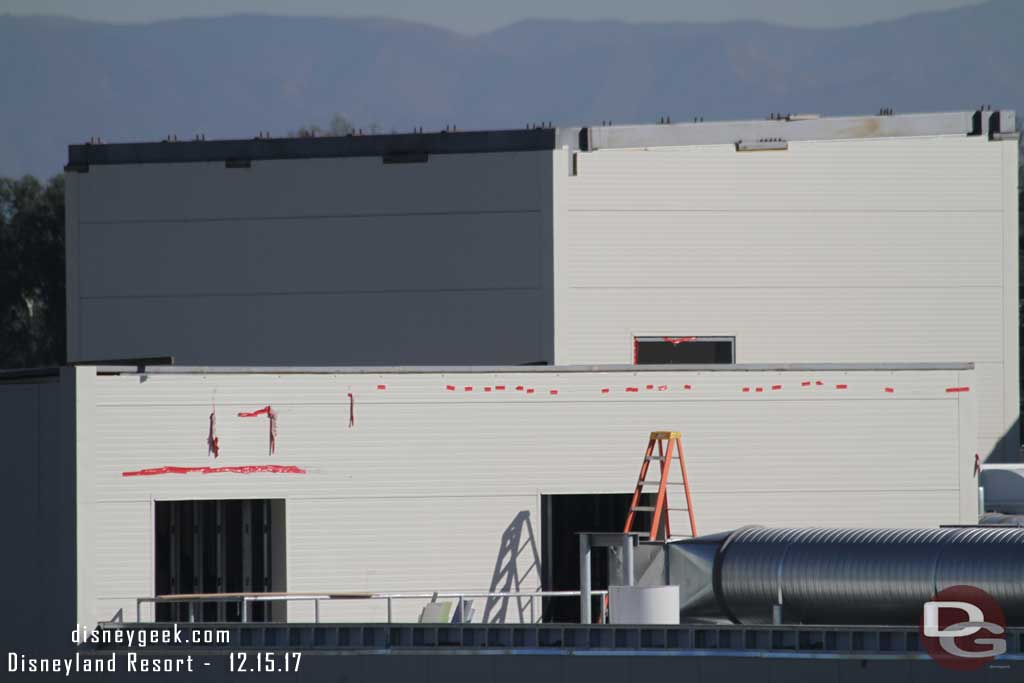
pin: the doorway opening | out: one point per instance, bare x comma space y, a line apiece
684, 350
219, 546
562, 517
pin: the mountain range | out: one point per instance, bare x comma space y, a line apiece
65, 80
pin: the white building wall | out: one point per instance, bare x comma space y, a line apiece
420, 493
863, 250
342, 261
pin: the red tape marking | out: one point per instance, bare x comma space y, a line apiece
776, 387
351, 410
687, 387
805, 384
678, 340
840, 386
649, 387
819, 383
632, 390
500, 387
746, 390
256, 413
237, 469
450, 387
553, 392
529, 391
519, 388
382, 387
889, 390
957, 390
486, 389
759, 389
467, 388
662, 387
605, 390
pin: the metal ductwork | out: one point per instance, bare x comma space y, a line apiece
843, 576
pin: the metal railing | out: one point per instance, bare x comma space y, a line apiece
245, 599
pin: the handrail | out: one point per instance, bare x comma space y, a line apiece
243, 599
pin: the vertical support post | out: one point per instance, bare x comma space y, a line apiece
389, 609
981, 501
585, 579
627, 560
247, 548
776, 614
686, 489
316, 610
245, 611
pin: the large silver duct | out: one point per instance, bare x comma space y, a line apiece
843, 576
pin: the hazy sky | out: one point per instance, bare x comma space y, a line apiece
472, 16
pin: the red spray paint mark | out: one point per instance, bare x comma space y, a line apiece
746, 390
759, 389
500, 387
632, 390
957, 390
529, 391
450, 387
237, 469
487, 389
519, 388
256, 413
819, 383
806, 383
649, 387
272, 418
840, 386
553, 392
467, 388
662, 387
776, 387
678, 340
351, 410
687, 387
889, 390
605, 390
382, 387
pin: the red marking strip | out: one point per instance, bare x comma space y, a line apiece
746, 390
632, 390
500, 387
840, 386
487, 389
662, 387
450, 387
649, 387
805, 384
819, 383
776, 387
889, 390
553, 392
605, 391
382, 387
237, 469
519, 388
529, 391
956, 390
467, 388
759, 389
678, 340
351, 410
977, 464
256, 413
687, 387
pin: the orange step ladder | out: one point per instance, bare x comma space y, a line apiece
669, 445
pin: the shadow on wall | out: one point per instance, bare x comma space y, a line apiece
1008, 448
517, 538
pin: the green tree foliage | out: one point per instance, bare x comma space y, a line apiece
32, 316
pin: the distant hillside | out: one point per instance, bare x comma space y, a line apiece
64, 81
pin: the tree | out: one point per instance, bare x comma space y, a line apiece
32, 314
338, 127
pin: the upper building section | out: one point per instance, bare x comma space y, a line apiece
415, 147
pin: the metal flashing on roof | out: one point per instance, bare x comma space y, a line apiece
419, 146
532, 369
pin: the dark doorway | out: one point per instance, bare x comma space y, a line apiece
684, 350
562, 516
219, 546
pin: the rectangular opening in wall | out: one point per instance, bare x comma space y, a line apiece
562, 517
219, 546
684, 350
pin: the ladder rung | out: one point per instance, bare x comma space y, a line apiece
652, 482
672, 510
642, 508
654, 457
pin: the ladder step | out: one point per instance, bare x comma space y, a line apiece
674, 510
642, 508
655, 457
652, 482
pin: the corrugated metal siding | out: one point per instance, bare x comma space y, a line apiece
419, 492
316, 261
844, 251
